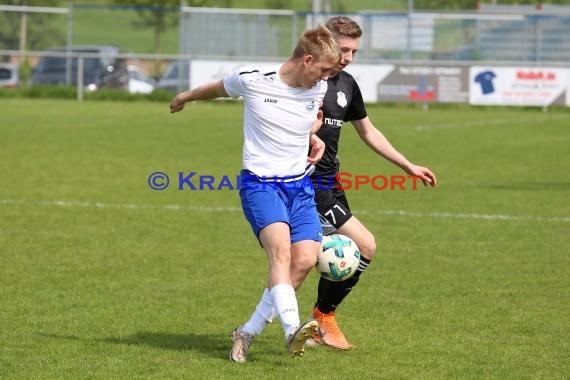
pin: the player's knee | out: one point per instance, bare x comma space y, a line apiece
304, 263
280, 254
367, 247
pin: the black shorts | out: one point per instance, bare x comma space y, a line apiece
331, 201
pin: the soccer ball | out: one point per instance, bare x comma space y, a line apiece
338, 257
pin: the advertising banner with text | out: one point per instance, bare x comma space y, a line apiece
518, 86
478, 85
425, 84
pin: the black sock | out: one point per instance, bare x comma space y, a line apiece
331, 293
322, 289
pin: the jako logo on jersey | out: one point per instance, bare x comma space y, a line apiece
269, 100
310, 104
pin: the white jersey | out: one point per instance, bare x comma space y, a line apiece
277, 120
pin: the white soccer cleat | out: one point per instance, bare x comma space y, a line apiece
242, 341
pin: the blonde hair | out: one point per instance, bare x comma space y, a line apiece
344, 26
318, 42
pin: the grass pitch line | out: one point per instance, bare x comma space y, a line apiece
499, 217
467, 215
493, 122
119, 206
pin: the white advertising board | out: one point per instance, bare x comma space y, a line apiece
367, 76
518, 86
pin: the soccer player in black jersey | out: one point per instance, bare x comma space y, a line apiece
343, 102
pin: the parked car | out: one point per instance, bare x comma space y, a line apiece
175, 77
9, 76
101, 67
139, 82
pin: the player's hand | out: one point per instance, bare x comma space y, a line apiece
317, 149
176, 105
426, 175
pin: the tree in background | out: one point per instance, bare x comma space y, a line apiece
40, 28
278, 4
29, 31
163, 16
443, 4
151, 16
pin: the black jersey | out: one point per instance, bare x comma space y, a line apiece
343, 102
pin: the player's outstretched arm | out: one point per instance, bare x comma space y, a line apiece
207, 91
380, 144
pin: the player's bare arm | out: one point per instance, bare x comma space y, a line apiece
380, 144
205, 92
318, 122
317, 149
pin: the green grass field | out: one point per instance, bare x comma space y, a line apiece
103, 278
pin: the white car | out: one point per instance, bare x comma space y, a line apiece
9, 75
139, 82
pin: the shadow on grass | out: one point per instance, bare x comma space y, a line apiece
209, 344
213, 345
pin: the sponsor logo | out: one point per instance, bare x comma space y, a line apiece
341, 99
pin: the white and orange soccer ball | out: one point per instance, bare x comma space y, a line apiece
338, 257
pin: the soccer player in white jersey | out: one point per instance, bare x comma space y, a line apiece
343, 102
280, 109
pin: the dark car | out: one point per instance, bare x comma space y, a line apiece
175, 77
102, 67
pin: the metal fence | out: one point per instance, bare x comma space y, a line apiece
537, 36
237, 32
527, 39
522, 35
492, 33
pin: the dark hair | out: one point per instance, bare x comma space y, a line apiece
344, 26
